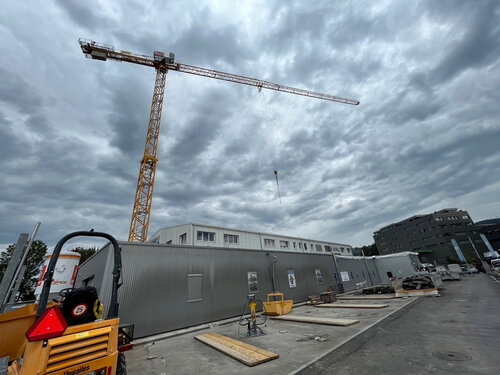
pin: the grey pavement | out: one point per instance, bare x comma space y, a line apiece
294, 342
457, 333
407, 337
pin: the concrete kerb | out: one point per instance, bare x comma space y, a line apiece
352, 343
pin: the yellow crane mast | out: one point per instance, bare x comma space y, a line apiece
144, 192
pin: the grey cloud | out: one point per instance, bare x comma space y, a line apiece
85, 14
479, 46
15, 91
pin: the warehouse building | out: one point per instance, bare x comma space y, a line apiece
215, 236
168, 287
445, 236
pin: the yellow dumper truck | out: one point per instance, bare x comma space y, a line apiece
66, 336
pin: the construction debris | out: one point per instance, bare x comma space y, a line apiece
418, 282
378, 289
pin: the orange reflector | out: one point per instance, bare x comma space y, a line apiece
50, 324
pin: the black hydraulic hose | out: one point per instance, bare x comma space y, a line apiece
264, 310
243, 314
44, 296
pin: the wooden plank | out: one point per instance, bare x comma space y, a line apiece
248, 354
368, 297
317, 320
353, 306
243, 345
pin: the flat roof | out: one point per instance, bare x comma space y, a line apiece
254, 232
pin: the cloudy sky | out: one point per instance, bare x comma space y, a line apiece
426, 135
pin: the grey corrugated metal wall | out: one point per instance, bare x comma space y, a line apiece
398, 266
154, 293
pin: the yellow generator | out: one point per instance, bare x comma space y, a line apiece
68, 336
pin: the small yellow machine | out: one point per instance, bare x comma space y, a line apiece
254, 321
276, 304
66, 337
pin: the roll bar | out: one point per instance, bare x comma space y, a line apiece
44, 296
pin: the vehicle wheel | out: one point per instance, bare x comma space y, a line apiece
121, 367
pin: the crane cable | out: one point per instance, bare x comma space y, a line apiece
277, 184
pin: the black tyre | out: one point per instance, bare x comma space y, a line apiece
121, 366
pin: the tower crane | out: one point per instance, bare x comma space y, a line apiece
144, 192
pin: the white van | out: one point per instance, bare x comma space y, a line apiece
495, 264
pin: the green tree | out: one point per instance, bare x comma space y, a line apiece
370, 250
85, 253
33, 263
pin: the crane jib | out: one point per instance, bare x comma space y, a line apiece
145, 182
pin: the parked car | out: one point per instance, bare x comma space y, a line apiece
470, 269
495, 264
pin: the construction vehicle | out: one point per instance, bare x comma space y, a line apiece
67, 336
145, 182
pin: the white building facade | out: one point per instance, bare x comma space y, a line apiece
214, 236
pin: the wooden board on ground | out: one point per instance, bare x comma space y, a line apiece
248, 354
353, 306
317, 320
417, 292
367, 297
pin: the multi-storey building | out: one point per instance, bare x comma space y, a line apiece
491, 230
214, 236
441, 237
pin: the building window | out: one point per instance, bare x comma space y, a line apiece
194, 287
269, 242
231, 238
328, 248
206, 236
312, 246
300, 245
318, 247
342, 249
284, 244
294, 245
305, 246
183, 239
169, 242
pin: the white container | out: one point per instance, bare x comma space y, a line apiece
64, 273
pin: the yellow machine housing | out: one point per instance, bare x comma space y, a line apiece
82, 348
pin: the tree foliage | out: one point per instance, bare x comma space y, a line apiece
33, 263
85, 253
368, 250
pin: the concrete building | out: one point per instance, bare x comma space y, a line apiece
491, 230
214, 236
445, 236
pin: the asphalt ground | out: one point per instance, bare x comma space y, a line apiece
295, 343
457, 333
